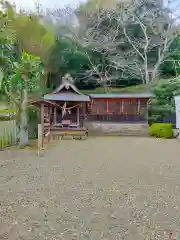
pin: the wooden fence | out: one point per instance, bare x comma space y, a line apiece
8, 133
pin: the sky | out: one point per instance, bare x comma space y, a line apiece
46, 3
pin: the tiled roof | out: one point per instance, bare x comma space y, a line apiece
69, 97
120, 95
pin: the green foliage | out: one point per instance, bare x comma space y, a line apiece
32, 35
26, 32
161, 130
162, 102
26, 73
7, 42
171, 67
69, 57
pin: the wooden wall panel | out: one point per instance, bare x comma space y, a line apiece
119, 106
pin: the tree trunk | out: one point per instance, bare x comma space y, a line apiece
146, 70
23, 136
155, 71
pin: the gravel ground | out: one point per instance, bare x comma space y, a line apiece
101, 188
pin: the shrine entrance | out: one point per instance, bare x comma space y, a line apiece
63, 111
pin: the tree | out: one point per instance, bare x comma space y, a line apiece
8, 53
69, 57
135, 37
171, 66
25, 80
33, 37
22, 72
162, 103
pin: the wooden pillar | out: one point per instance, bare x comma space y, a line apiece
147, 112
50, 113
42, 125
84, 113
78, 116
122, 106
49, 127
107, 106
97, 107
55, 114
139, 105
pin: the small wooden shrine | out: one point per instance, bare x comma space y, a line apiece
64, 110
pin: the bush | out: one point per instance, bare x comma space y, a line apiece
161, 130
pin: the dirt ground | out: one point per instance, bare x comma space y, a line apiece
98, 189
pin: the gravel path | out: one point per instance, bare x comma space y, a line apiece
98, 189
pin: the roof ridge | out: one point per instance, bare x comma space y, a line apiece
67, 82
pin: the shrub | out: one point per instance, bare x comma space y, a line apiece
161, 130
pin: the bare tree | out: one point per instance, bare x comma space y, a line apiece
103, 74
62, 19
135, 37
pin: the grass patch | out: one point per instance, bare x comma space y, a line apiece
133, 89
7, 110
7, 114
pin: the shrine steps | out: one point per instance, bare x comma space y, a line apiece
117, 129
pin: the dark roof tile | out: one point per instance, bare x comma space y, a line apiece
69, 97
120, 95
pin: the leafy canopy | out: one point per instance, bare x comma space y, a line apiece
162, 103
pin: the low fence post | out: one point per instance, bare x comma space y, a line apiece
40, 147
15, 135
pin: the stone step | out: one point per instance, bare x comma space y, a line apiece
111, 129
129, 133
120, 133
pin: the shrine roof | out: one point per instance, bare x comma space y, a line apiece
67, 92
67, 96
120, 95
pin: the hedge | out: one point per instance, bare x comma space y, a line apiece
161, 130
